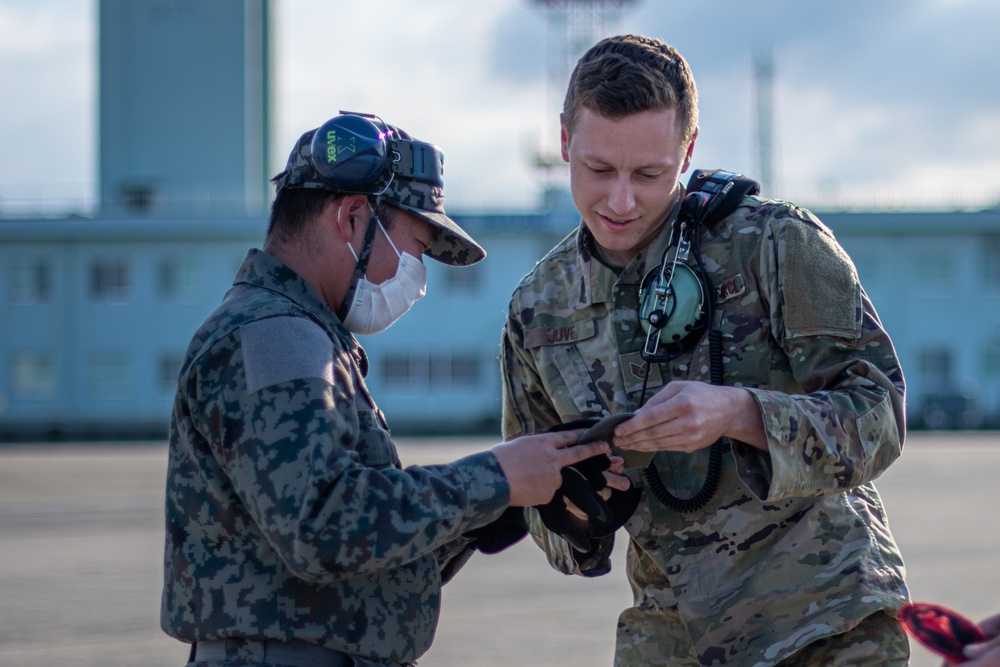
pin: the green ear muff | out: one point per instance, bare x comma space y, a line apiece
671, 309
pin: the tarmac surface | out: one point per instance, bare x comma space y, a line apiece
81, 559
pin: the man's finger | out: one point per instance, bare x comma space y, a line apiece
618, 482
572, 455
642, 441
566, 439
642, 420
578, 491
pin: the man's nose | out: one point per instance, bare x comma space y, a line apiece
621, 198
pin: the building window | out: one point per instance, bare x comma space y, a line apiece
109, 377
935, 269
436, 372
403, 371
32, 376
109, 281
395, 370
991, 359
463, 279
30, 281
168, 369
463, 370
137, 198
935, 368
178, 279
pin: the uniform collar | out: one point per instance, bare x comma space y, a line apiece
597, 281
260, 269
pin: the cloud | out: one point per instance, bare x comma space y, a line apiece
440, 74
895, 94
873, 96
48, 79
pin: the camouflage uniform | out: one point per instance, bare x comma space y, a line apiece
794, 546
287, 514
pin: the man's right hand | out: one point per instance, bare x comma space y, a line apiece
533, 463
985, 654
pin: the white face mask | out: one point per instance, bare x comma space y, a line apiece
375, 307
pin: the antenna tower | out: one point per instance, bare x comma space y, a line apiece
764, 93
571, 27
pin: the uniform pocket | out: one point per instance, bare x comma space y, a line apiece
581, 388
375, 448
747, 351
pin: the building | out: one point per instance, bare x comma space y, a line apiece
96, 313
96, 316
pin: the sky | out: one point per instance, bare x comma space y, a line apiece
891, 104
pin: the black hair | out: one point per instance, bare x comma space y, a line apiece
294, 208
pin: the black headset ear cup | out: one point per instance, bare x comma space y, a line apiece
350, 153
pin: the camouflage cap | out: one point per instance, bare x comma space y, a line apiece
452, 244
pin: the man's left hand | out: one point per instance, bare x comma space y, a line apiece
686, 416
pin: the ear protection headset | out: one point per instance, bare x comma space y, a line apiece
361, 154
357, 153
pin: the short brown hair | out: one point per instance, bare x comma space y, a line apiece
623, 75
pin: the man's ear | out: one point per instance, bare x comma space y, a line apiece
350, 213
563, 138
689, 152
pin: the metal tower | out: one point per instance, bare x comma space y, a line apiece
571, 27
764, 92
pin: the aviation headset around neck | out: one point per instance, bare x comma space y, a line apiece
676, 305
676, 300
673, 307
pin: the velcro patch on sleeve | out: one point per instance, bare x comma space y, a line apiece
282, 349
819, 285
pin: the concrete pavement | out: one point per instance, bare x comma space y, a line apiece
81, 536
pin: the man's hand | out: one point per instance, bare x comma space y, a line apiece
686, 416
985, 654
615, 477
533, 463
585, 507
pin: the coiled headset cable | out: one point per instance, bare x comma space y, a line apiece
714, 472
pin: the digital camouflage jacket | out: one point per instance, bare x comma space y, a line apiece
287, 513
794, 546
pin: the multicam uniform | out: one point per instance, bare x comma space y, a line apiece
794, 546
288, 516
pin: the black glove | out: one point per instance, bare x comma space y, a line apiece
581, 483
621, 503
505, 531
